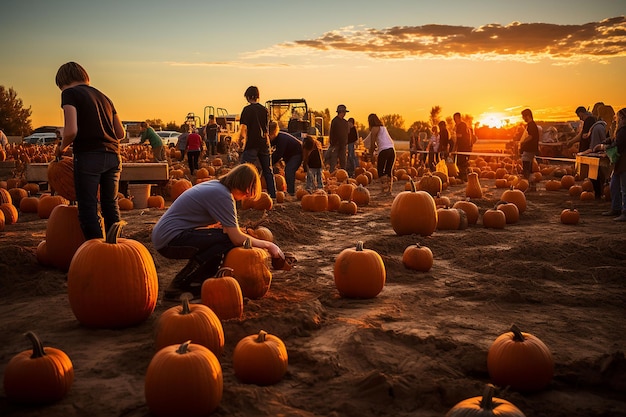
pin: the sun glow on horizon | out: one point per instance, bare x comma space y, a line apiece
495, 120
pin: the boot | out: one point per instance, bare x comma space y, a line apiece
611, 213
621, 218
183, 281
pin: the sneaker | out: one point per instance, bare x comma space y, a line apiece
621, 218
612, 213
184, 282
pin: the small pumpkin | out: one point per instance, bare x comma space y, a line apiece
183, 380
432, 184
125, 204
190, 321
418, 258
260, 359
38, 376
348, 207
516, 197
484, 406
156, 201
570, 216
511, 212
334, 201
29, 204
470, 209
361, 196
10, 213
473, 189
222, 294
316, 202
250, 269
448, 218
520, 360
494, 219
359, 272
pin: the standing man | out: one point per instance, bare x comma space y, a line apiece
463, 144
529, 145
148, 133
338, 137
582, 137
210, 136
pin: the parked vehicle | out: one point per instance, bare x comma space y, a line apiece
41, 139
170, 137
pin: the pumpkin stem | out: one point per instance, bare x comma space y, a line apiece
486, 403
517, 334
185, 309
261, 337
413, 187
247, 244
183, 348
114, 231
223, 271
359, 246
38, 351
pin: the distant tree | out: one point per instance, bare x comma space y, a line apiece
173, 126
395, 126
420, 126
156, 124
14, 118
435, 112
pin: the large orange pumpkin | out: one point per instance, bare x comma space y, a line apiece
190, 322
222, 294
61, 177
250, 269
10, 213
38, 376
414, 212
316, 202
359, 273
260, 359
112, 282
63, 236
485, 405
520, 360
183, 380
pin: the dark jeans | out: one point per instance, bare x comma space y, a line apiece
211, 244
386, 161
93, 169
291, 167
265, 160
193, 157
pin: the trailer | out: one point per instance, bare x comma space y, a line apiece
293, 116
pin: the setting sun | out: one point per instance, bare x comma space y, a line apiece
496, 120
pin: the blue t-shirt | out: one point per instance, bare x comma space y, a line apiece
202, 205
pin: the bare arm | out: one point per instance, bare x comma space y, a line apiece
70, 128
237, 237
120, 132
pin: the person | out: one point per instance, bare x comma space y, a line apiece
582, 137
289, 149
444, 140
381, 142
148, 134
194, 146
529, 144
312, 162
93, 127
353, 160
463, 145
4, 141
597, 136
181, 144
414, 147
211, 132
253, 131
203, 223
618, 176
338, 139
433, 148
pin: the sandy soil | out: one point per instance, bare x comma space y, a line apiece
415, 350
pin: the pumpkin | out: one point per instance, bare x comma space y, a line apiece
260, 359
418, 258
125, 204
41, 253
29, 204
222, 294
588, 196
250, 269
178, 187
190, 321
575, 190
334, 201
5, 196
10, 213
494, 219
413, 212
183, 380
263, 202
280, 196
345, 191
341, 175
17, 194
263, 233
511, 212
359, 273
448, 218
485, 405
470, 209
112, 282
316, 202
442, 201
553, 185
567, 181
472, 189
362, 179
570, 216
61, 177
156, 201
520, 360
38, 376
361, 196
348, 207
432, 184
516, 197
63, 236
47, 203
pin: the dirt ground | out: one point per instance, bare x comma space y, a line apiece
416, 349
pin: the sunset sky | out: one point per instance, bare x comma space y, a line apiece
163, 59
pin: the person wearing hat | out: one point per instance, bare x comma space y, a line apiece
582, 137
338, 137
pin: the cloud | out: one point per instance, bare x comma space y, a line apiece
597, 41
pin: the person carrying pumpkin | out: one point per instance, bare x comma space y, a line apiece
201, 225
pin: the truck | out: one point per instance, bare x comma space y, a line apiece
293, 116
228, 123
